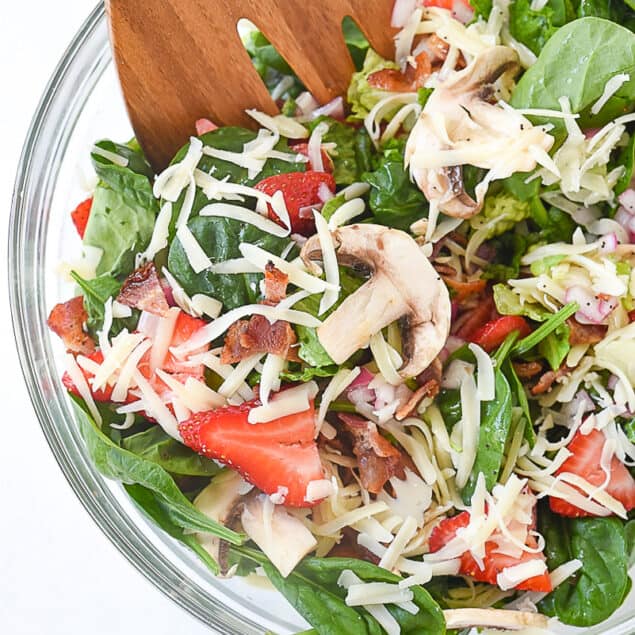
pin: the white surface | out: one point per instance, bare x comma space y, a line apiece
58, 572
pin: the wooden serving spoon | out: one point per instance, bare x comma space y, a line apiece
180, 60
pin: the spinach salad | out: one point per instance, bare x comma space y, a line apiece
380, 351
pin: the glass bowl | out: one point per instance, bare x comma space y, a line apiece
81, 104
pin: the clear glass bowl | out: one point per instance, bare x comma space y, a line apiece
81, 104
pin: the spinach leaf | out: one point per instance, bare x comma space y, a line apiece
270, 64
449, 403
96, 292
576, 63
307, 373
354, 150
508, 303
130, 151
496, 418
597, 589
121, 218
155, 445
552, 323
313, 591
394, 200
220, 237
620, 11
555, 347
534, 28
152, 505
519, 398
310, 349
356, 42
124, 466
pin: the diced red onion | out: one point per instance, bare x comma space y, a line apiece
167, 292
593, 310
462, 11
608, 244
363, 379
401, 11
591, 132
627, 221
612, 382
205, 125
358, 391
627, 200
335, 109
306, 103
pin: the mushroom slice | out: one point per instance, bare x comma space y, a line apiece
222, 500
283, 538
493, 618
403, 286
461, 125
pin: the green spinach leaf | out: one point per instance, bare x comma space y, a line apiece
551, 324
597, 589
555, 347
626, 158
356, 42
496, 418
394, 200
155, 445
220, 238
124, 466
130, 151
576, 63
313, 591
96, 292
534, 28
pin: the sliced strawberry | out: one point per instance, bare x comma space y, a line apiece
303, 148
280, 453
103, 394
300, 191
80, 215
585, 462
493, 563
185, 327
205, 125
492, 334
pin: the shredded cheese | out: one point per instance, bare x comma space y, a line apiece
338, 384
610, 88
78, 379
283, 404
244, 215
485, 385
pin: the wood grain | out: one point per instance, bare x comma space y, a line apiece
179, 60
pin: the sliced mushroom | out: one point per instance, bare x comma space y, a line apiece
460, 117
403, 286
493, 618
222, 500
283, 538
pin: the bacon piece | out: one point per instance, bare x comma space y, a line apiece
348, 547
526, 370
67, 320
585, 333
547, 379
258, 335
473, 319
378, 459
413, 78
429, 389
142, 290
275, 284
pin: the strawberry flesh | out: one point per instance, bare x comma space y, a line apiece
279, 454
493, 563
80, 216
585, 462
300, 190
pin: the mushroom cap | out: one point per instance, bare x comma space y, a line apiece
460, 117
403, 286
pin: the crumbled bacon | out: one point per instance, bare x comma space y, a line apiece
275, 284
474, 318
429, 389
378, 459
526, 370
585, 333
142, 290
67, 320
258, 335
413, 78
547, 380
348, 547
438, 48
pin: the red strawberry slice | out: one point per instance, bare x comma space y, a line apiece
585, 462
80, 215
303, 148
280, 453
300, 191
493, 563
103, 394
185, 327
492, 334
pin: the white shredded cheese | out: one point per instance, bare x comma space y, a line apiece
270, 376
610, 88
338, 384
511, 577
346, 212
283, 404
485, 386
113, 157
329, 260
196, 256
387, 359
173, 180
405, 534
470, 426
77, 377
156, 409
245, 215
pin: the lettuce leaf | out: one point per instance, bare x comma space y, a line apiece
361, 96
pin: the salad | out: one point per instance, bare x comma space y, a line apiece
380, 351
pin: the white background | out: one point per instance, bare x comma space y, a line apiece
58, 573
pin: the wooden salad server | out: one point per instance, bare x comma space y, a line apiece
180, 60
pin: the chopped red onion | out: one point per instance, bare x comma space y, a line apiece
167, 291
593, 309
462, 11
306, 103
402, 10
335, 109
627, 221
589, 133
627, 200
608, 244
612, 382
